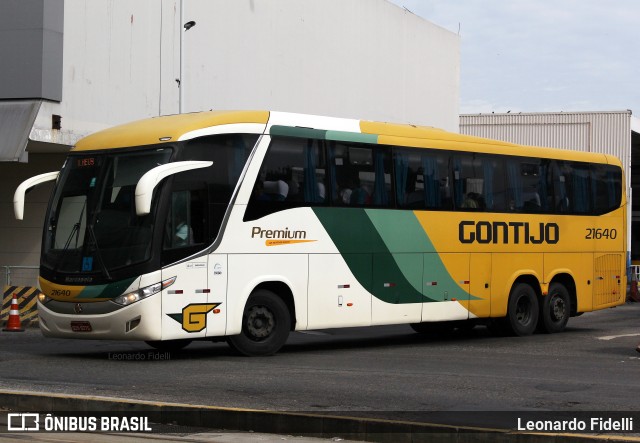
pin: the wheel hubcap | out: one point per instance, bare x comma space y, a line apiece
523, 311
557, 307
260, 322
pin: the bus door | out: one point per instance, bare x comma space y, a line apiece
187, 304
446, 287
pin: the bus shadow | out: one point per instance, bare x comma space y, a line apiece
338, 340
313, 341
307, 342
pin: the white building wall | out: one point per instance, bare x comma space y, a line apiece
364, 59
120, 64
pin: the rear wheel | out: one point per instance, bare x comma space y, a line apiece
523, 310
556, 309
266, 323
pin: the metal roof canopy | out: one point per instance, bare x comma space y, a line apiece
16, 120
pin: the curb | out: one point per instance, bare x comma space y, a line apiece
289, 423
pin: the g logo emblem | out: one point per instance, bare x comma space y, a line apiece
194, 316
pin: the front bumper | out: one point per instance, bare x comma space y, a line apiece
138, 321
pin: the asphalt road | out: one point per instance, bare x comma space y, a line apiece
385, 372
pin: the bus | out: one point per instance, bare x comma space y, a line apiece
246, 225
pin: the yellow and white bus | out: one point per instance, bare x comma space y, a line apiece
248, 225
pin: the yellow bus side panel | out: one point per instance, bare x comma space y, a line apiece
580, 267
506, 269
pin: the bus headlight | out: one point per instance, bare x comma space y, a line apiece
43, 298
132, 297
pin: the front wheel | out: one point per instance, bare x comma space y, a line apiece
523, 310
266, 323
556, 309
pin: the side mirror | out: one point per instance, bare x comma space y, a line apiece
151, 179
21, 190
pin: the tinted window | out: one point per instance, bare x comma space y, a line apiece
528, 185
573, 187
293, 174
422, 179
606, 186
479, 183
306, 172
361, 175
200, 197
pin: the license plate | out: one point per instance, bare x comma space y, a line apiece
80, 326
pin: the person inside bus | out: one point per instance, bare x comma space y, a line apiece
183, 235
359, 195
276, 190
471, 201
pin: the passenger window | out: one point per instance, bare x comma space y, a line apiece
360, 175
293, 174
573, 187
606, 185
527, 185
422, 179
469, 182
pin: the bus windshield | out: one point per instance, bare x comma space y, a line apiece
92, 224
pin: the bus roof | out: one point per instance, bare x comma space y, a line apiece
165, 128
172, 127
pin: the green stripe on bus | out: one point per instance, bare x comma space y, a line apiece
353, 137
370, 260
401, 256
318, 134
405, 238
406, 241
289, 131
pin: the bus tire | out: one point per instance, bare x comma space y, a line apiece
169, 345
523, 310
266, 323
555, 309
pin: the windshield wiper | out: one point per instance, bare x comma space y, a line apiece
75, 230
98, 253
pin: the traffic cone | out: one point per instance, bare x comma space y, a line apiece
13, 323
